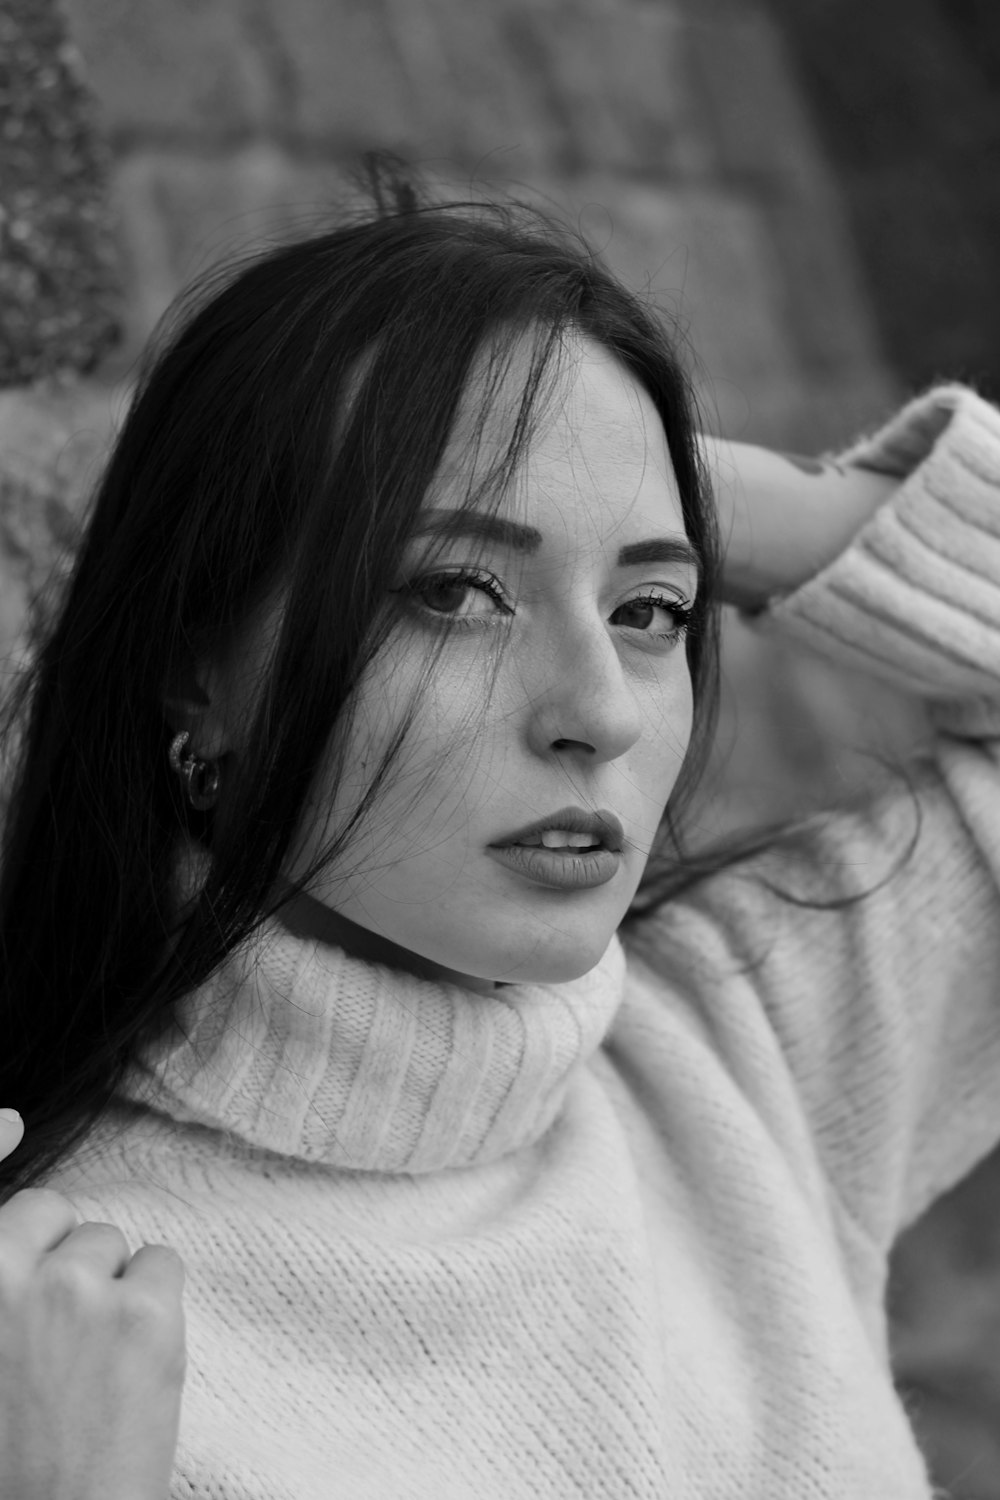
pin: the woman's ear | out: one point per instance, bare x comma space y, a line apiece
192, 702
213, 696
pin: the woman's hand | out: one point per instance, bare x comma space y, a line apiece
783, 518
91, 1354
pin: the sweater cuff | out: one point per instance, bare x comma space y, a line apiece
915, 598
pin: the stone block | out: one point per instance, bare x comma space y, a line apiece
701, 256
928, 242
755, 324
828, 304
533, 84
58, 277
200, 70
180, 214
906, 101
362, 73
750, 102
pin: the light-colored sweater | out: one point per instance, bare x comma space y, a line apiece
626, 1237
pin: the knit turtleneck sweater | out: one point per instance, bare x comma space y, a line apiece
298, 1048
623, 1238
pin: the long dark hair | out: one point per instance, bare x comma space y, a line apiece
284, 436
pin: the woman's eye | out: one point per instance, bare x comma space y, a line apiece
656, 615
459, 596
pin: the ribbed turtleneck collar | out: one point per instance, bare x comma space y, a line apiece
298, 1048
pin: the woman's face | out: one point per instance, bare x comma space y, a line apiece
550, 726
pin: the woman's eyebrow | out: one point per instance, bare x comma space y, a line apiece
521, 538
665, 549
484, 528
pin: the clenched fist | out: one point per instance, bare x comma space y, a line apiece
91, 1354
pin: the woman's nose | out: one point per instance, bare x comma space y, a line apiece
582, 700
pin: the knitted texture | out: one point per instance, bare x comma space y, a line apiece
627, 1237
299, 1048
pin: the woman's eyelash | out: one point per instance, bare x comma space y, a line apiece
460, 580
443, 593
680, 609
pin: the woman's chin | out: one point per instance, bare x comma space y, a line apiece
553, 963
551, 957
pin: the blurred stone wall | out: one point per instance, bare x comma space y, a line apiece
672, 133
905, 96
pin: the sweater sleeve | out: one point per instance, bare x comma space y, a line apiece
867, 942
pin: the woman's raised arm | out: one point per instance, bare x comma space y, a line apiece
782, 518
876, 969
91, 1353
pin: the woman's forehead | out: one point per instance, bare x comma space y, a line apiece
594, 437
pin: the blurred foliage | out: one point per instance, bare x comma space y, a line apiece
58, 275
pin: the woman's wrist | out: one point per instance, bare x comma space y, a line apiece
783, 518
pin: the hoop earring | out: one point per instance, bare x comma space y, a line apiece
200, 777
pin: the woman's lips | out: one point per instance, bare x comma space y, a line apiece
559, 869
565, 867
603, 828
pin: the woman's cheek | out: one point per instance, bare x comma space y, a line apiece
670, 715
669, 700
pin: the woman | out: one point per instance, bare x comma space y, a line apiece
383, 672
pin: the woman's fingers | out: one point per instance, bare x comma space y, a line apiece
36, 1220
99, 1247
11, 1131
154, 1280
92, 1353
160, 1269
